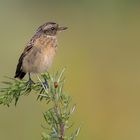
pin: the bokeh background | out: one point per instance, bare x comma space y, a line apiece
101, 51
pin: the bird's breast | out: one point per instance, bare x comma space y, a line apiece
46, 41
41, 56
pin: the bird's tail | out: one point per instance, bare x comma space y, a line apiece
20, 74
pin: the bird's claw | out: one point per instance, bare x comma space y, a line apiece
30, 82
46, 85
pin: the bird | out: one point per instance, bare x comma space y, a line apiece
39, 52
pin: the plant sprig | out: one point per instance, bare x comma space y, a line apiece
58, 115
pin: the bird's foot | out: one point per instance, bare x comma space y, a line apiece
46, 85
30, 82
29, 86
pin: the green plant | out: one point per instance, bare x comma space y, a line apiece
58, 115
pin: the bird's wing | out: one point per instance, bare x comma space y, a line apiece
28, 48
20, 61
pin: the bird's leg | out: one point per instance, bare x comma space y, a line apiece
30, 81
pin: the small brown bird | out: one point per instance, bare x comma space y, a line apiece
38, 55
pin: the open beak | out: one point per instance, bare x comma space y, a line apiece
60, 29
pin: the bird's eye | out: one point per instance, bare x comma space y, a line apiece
52, 28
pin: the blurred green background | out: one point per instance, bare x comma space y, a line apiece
101, 51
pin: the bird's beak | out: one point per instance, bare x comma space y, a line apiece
60, 29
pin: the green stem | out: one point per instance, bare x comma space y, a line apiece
57, 110
62, 130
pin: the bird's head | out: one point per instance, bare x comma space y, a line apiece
50, 28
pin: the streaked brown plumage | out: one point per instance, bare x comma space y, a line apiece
38, 55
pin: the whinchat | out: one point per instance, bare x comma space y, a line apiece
38, 55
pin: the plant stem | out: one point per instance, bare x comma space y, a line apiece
57, 110
62, 130
61, 124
